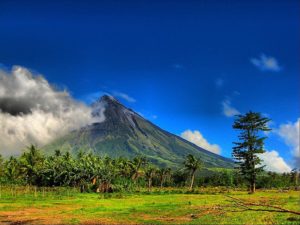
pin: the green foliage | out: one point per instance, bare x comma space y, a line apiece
31, 163
1, 167
88, 172
12, 171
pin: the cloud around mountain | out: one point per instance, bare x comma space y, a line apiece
124, 96
197, 138
33, 111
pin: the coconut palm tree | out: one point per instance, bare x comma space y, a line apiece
31, 162
163, 173
192, 164
136, 164
149, 174
125, 168
12, 169
107, 173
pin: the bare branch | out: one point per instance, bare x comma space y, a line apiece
247, 206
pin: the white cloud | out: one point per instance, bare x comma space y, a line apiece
197, 138
34, 112
124, 96
289, 132
266, 63
228, 109
274, 162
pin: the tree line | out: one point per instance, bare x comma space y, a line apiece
90, 172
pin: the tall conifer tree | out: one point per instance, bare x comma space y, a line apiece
250, 144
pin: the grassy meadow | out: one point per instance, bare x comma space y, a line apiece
30, 205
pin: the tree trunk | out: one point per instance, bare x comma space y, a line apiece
252, 187
82, 188
149, 184
296, 178
133, 177
161, 182
192, 180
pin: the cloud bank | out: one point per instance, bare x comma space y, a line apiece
197, 138
34, 112
266, 63
274, 162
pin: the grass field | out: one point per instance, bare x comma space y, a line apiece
206, 206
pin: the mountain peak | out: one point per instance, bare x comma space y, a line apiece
103, 104
107, 98
114, 111
105, 101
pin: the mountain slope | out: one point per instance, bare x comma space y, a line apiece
125, 133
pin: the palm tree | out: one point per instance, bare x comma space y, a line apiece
137, 163
31, 162
192, 164
84, 170
124, 167
107, 173
11, 171
149, 174
163, 173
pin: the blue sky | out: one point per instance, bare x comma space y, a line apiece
182, 63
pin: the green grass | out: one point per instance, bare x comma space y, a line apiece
172, 206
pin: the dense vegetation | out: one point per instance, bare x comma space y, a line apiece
89, 172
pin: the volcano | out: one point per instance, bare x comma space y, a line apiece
125, 133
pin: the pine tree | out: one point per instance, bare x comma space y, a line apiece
251, 144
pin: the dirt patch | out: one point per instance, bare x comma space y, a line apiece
54, 215
17, 222
206, 210
33, 215
102, 221
164, 218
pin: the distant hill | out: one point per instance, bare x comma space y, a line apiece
126, 133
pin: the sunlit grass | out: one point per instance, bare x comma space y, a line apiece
170, 206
